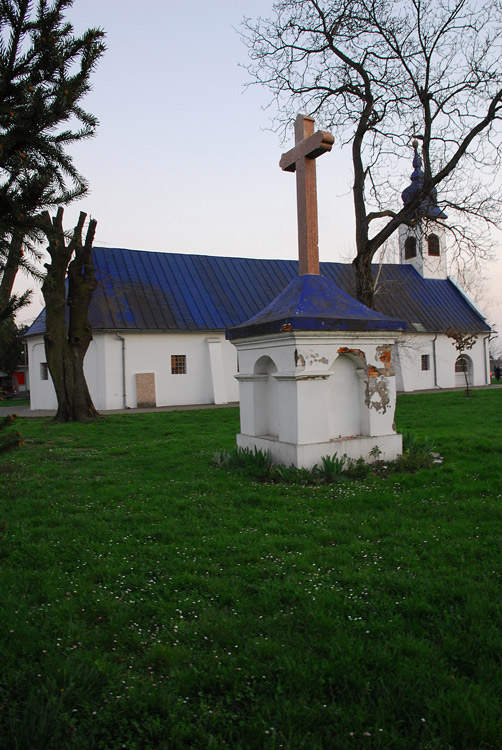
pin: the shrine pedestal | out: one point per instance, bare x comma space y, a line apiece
306, 395
316, 376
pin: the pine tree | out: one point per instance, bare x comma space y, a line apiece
45, 72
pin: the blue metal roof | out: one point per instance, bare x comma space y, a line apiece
314, 303
149, 291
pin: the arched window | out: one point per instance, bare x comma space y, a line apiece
463, 371
433, 244
410, 248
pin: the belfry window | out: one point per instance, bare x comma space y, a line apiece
410, 248
433, 244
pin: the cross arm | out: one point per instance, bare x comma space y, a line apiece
310, 148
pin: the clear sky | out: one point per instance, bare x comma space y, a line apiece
184, 160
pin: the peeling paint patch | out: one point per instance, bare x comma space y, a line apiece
377, 395
384, 355
299, 359
309, 358
357, 352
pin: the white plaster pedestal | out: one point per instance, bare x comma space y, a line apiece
309, 394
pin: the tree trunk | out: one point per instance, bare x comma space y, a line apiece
365, 283
10, 270
66, 347
67, 371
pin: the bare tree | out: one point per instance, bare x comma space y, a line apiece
67, 340
462, 341
380, 74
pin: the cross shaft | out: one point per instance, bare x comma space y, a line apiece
301, 159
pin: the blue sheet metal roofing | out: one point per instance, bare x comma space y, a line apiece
148, 291
314, 303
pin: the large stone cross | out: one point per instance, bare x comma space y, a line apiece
301, 159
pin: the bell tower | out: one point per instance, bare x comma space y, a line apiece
422, 244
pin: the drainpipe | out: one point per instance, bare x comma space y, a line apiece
121, 338
487, 379
434, 361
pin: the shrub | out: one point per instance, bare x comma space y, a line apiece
9, 439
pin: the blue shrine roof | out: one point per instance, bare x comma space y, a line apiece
314, 303
152, 291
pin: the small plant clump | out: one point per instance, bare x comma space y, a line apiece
9, 439
259, 464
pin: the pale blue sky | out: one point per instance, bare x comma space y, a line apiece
183, 160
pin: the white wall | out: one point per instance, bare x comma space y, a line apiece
151, 352
42, 393
411, 377
145, 352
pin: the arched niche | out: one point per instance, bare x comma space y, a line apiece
463, 371
266, 398
345, 396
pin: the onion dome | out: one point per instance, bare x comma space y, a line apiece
428, 208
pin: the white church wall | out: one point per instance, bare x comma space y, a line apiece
205, 381
146, 352
42, 392
112, 379
437, 370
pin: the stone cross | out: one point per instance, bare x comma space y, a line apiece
301, 159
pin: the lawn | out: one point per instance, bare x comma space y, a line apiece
152, 600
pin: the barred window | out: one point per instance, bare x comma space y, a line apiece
44, 371
425, 362
178, 364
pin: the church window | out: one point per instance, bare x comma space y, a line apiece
44, 371
410, 248
461, 364
178, 364
433, 244
426, 364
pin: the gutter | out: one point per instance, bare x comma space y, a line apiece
487, 379
122, 339
434, 361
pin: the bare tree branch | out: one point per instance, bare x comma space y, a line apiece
378, 74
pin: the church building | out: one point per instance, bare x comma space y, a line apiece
159, 320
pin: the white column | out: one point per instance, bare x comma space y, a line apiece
217, 370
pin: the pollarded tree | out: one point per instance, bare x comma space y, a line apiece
68, 286
45, 73
379, 74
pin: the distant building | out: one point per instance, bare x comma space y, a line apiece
159, 319
159, 322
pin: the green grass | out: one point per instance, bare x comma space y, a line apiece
149, 599
14, 401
